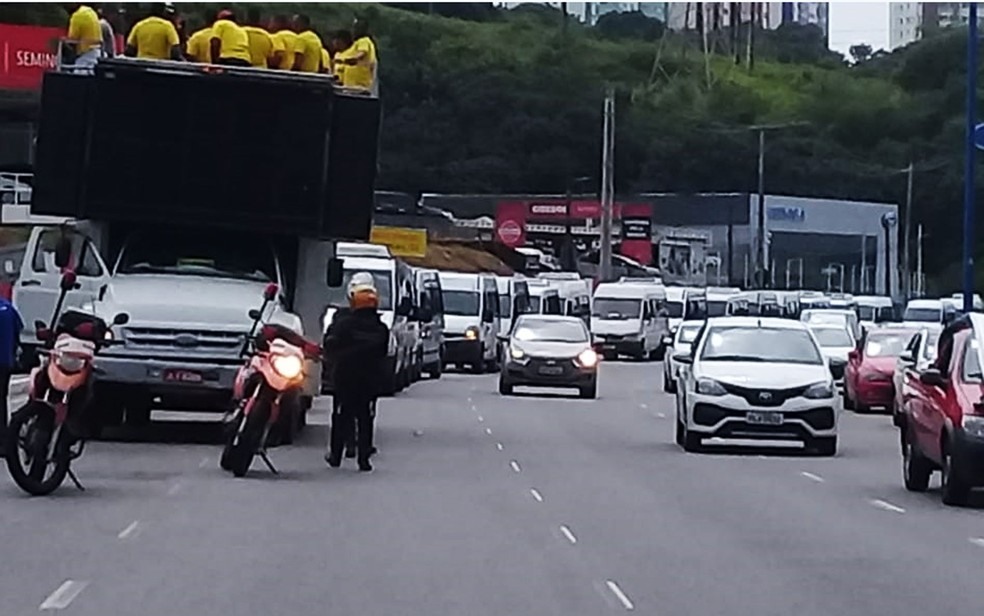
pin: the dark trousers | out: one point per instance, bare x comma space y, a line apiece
4, 394
352, 417
234, 62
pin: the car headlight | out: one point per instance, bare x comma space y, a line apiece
587, 358
109, 335
516, 353
471, 333
288, 366
973, 425
819, 391
710, 387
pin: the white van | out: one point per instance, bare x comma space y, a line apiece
923, 311
471, 321
430, 313
394, 283
875, 309
575, 294
514, 300
544, 299
630, 319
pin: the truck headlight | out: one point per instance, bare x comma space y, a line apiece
710, 387
819, 391
288, 366
471, 333
973, 425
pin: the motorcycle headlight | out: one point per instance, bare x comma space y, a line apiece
710, 387
973, 425
69, 364
819, 391
288, 366
587, 359
471, 333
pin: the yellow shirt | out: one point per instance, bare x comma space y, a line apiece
197, 46
235, 41
260, 46
342, 69
325, 60
309, 46
84, 27
287, 40
362, 74
154, 37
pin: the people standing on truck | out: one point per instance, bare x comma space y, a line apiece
198, 46
108, 34
341, 45
230, 43
360, 61
356, 343
84, 36
10, 331
307, 49
325, 61
264, 50
282, 34
155, 37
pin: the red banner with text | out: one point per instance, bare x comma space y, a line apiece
27, 52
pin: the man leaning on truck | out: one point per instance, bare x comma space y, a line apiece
230, 43
155, 37
84, 35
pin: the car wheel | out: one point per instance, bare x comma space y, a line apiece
826, 446
478, 367
590, 392
692, 441
955, 489
916, 470
848, 403
679, 432
505, 388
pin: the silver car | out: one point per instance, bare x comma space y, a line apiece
549, 351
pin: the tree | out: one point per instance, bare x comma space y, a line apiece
860, 53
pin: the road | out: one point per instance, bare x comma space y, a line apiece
482, 505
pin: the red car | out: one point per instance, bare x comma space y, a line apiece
868, 377
943, 415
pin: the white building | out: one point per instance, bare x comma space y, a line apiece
909, 21
683, 15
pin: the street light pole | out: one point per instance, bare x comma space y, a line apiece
760, 260
607, 187
907, 234
968, 218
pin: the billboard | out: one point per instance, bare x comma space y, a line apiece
26, 52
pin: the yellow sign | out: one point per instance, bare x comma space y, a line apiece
402, 241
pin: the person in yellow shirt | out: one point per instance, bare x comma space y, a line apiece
230, 43
342, 45
325, 61
155, 37
84, 36
198, 47
360, 60
285, 37
264, 50
307, 49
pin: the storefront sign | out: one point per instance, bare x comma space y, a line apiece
26, 52
787, 214
402, 241
510, 223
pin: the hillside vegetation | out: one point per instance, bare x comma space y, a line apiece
511, 101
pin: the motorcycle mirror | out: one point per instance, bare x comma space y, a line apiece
68, 280
39, 325
271, 291
63, 252
335, 274
102, 292
121, 318
255, 314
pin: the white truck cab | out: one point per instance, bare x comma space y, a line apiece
471, 320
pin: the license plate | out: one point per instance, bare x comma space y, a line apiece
551, 370
764, 418
182, 376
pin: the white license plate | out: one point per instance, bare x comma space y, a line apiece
552, 370
765, 418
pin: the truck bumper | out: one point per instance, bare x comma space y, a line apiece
179, 385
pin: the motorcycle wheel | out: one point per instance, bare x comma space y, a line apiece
27, 442
246, 441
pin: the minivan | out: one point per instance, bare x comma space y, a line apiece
544, 299
514, 300
471, 321
630, 319
430, 313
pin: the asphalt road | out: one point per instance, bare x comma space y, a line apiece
484, 505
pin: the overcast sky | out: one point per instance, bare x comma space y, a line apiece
858, 22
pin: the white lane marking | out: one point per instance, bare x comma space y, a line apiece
203, 463
621, 596
644, 406
129, 530
173, 489
498, 446
886, 506
661, 415
536, 495
812, 477
481, 419
515, 465
568, 534
64, 595
488, 431
978, 541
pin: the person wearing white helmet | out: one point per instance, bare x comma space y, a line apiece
356, 343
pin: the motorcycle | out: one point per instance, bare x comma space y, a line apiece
270, 379
48, 432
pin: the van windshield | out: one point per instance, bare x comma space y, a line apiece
461, 303
616, 309
338, 297
927, 315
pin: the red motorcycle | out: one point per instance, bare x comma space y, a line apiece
270, 380
48, 432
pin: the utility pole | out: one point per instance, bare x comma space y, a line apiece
760, 259
607, 187
968, 218
919, 257
907, 233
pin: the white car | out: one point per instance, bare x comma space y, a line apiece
756, 378
682, 339
836, 342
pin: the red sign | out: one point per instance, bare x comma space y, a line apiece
510, 223
580, 210
636, 229
27, 52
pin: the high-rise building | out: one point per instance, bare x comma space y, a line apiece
910, 21
683, 15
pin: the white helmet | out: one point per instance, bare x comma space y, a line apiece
361, 281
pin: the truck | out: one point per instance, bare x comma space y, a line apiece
185, 229
683, 259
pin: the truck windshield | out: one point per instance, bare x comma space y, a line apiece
461, 303
197, 254
338, 297
674, 310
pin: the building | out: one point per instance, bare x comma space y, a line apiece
683, 15
910, 21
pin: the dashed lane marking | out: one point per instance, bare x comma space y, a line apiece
515, 465
536, 495
661, 415
568, 534
886, 506
130, 530
620, 595
488, 431
173, 489
498, 446
812, 477
978, 541
481, 419
63, 595
203, 463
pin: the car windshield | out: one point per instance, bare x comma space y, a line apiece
717, 309
884, 345
505, 306
616, 309
688, 334
833, 337
338, 296
761, 344
460, 303
923, 315
198, 254
542, 330
674, 310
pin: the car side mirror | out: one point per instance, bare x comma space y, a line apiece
255, 314
335, 272
63, 252
932, 377
121, 318
683, 358
68, 280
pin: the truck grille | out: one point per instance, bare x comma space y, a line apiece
182, 339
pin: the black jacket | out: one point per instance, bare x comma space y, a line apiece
355, 347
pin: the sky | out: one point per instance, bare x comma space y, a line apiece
858, 22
